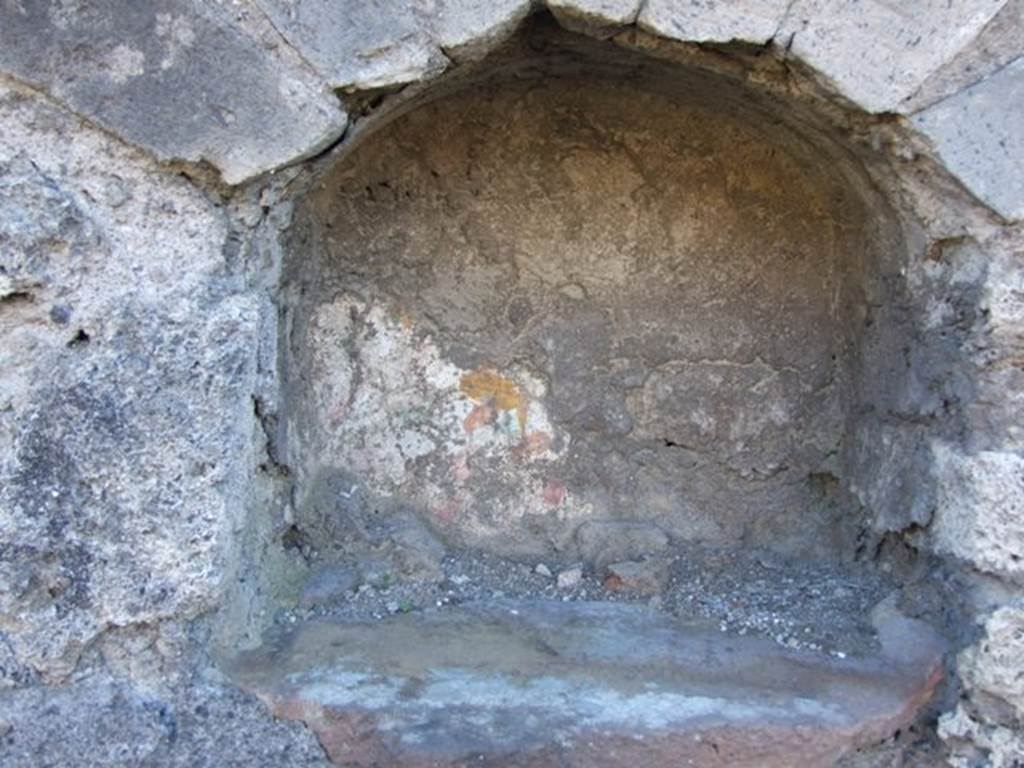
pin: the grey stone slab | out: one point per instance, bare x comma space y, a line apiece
468, 29
125, 382
979, 136
991, 708
361, 45
174, 77
878, 53
538, 683
594, 17
999, 43
99, 723
977, 516
720, 21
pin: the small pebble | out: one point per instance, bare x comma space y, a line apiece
570, 577
543, 570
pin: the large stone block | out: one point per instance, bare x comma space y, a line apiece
992, 665
175, 77
594, 17
387, 45
999, 43
105, 724
468, 29
979, 136
714, 21
392, 43
531, 684
114, 511
985, 729
126, 366
877, 53
979, 513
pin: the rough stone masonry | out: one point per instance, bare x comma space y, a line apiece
750, 272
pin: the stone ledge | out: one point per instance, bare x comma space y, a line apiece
534, 683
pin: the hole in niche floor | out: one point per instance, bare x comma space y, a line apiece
569, 394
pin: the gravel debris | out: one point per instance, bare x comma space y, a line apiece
813, 606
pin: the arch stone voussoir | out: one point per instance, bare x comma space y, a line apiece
878, 54
747, 21
595, 17
175, 77
979, 136
187, 81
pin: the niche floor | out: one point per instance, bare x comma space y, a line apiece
588, 683
407, 655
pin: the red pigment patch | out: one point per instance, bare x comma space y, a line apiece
336, 414
447, 512
553, 493
460, 468
480, 416
534, 442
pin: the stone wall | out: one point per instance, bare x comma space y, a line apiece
150, 158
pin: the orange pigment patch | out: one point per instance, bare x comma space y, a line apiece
553, 493
485, 385
613, 583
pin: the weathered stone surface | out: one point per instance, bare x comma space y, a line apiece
416, 551
601, 542
594, 17
583, 684
876, 53
44, 235
467, 29
122, 368
107, 724
999, 43
174, 77
997, 411
979, 515
992, 665
329, 584
892, 465
388, 46
979, 136
640, 577
714, 21
987, 726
